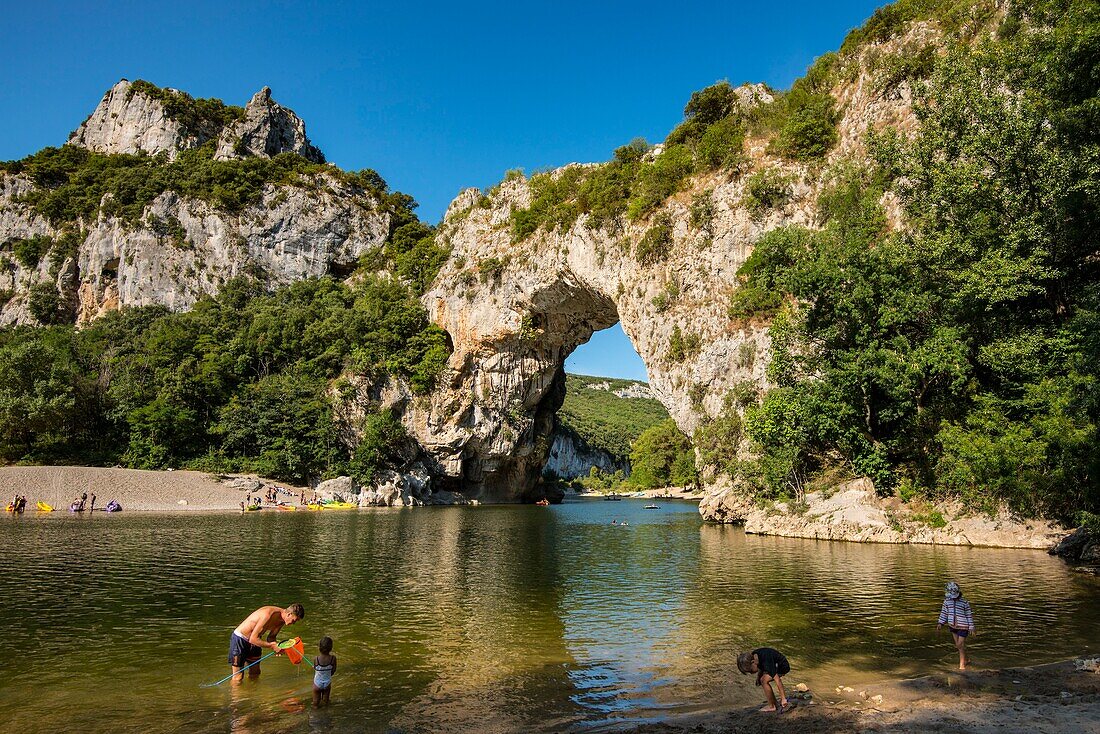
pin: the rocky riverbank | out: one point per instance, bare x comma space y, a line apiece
853, 511
1062, 697
1081, 549
391, 489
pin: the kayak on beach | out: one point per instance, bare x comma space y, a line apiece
42, 507
339, 506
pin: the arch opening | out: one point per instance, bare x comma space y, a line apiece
608, 403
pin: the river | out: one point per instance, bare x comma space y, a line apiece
496, 618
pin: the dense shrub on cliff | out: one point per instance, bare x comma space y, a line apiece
74, 183
31, 250
203, 117
961, 357
636, 181
803, 121
411, 251
240, 382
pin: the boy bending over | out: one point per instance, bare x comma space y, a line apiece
769, 665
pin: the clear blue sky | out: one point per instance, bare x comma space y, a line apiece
435, 96
608, 353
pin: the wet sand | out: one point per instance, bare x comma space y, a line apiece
1052, 698
135, 489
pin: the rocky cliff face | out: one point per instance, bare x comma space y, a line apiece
137, 117
854, 512
266, 130
516, 310
183, 248
571, 457
130, 121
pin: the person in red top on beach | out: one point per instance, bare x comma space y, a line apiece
958, 617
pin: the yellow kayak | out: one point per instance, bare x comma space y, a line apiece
43, 507
339, 506
287, 508
313, 508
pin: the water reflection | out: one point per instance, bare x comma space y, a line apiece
487, 619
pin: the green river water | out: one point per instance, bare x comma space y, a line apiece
507, 618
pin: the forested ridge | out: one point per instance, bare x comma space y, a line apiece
247, 380
242, 382
603, 420
636, 429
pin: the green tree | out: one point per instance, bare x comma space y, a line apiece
384, 444
662, 456
37, 399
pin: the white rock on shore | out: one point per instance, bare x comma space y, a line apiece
412, 488
854, 512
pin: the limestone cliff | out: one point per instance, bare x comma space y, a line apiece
570, 457
267, 129
129, 120
183, 247
138, 117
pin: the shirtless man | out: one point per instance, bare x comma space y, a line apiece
247, 640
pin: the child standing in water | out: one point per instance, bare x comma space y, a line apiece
769, 665
324, 665
958, 617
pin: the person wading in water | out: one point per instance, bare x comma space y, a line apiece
247, 641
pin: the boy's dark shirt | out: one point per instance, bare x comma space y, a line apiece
770, 661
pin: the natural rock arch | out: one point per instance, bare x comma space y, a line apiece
516, 310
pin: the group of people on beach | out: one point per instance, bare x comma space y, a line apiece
18, 504
770, 665
81, 502
271, 496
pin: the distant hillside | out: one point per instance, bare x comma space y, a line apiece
607, 413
